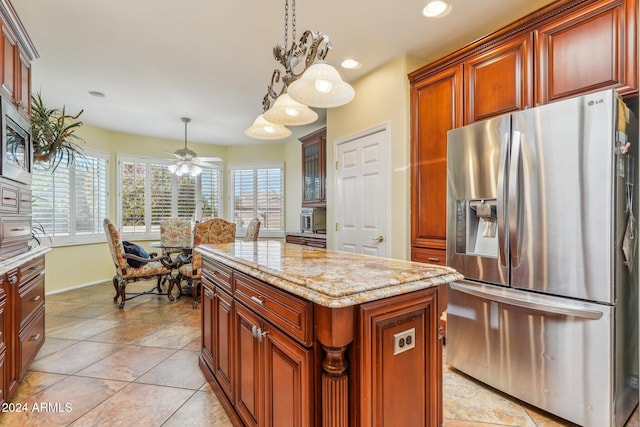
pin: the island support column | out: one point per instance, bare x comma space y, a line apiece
334, 331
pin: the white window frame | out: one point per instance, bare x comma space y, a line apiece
72, 238
241, 230
150, 232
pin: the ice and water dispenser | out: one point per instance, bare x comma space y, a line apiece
477, 227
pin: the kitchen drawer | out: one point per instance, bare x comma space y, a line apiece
431, 256
219, 274
31, 269
31, 340
8, 197
24, 201
291, 314
31, 298
14, 230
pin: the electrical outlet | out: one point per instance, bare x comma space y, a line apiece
403, 341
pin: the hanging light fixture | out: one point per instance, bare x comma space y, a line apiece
262, 129
308, 80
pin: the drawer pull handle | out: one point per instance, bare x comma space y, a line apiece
434, 259
36, 337
36, 298
257, 300
258, 333
18, 229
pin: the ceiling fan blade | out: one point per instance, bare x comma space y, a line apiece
177, 156
205, 164
210, 159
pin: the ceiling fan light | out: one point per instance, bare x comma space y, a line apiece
308, 89
173, 168
281, 112
184, 168
195, 170
262, 129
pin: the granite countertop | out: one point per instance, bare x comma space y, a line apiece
302, 234
17, 260
325, 277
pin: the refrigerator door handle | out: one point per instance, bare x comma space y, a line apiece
563, 309
513, 201
501, 196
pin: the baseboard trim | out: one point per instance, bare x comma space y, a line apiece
71, 288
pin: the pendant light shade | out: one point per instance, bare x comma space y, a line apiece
289, 112
263, 129
321, 86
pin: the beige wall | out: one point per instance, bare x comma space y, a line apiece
381, 97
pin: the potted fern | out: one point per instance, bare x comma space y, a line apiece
52, 133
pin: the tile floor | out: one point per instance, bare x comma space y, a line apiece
101, 366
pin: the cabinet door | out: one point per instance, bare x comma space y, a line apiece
591, 49
500, 80
24, 86
436, 107
288, 378
9, 60
208, 326
223, 344
248, 388
313, 169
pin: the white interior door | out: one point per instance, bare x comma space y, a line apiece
362, 193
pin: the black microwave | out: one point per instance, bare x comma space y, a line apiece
17, 155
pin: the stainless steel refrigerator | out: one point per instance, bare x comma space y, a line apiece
540, 220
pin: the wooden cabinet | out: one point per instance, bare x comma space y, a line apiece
316, 242
590, 49
15, 218
22, 320
392, 374
565, 49
436, 107
23, 98
9, 62
276, 359
314, 178
500, 80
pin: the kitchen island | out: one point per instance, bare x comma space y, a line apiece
300, 336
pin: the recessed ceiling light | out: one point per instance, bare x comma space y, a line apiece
436, 9
351, 64
96, 94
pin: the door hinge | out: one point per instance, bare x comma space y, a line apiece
336, 165
336, 226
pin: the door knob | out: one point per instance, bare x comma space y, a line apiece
379, 239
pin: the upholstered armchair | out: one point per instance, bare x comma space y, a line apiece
151, 268
213, 231
253, 229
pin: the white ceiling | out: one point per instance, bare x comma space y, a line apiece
159, 60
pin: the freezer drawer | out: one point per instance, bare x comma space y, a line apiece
553, 353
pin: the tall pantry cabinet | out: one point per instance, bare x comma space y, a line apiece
565, 49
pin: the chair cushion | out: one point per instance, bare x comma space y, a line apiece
137, 250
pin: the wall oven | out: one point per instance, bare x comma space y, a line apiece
17, 158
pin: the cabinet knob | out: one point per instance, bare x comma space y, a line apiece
36, 298
35, 337
13, 280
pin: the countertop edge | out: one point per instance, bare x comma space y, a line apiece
324, 299
17, 260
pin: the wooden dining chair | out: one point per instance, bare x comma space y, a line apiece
154, 267
216, 230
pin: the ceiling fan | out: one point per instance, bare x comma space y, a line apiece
188, 162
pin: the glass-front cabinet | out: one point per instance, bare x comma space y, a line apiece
313, 168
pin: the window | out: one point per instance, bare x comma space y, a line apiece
257, 191
71, 203
148, 194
